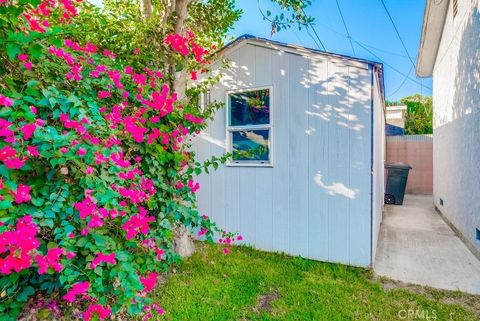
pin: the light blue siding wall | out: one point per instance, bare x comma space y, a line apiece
316, 199
378, 165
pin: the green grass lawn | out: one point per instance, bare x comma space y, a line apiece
253, 285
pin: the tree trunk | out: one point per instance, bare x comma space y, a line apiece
147, 9
181, 7
183, 241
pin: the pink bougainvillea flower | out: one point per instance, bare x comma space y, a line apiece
71, 235
28, 130
193, 119
32, 150
177, 43
64, 150
7, 152
136, 51
97, 309
149, 281
22, 194
81, 151
51, 259
128, 70
203, 231
239, 238
22, 57
15, 162
89, 170
194, 75
138, 223
103, 94
78, 289
226, 250
204, 216
84, 231
71, 255
17, 246
103, 258
28, 65
193, 186
33, 109
5, 101
179, 185
160, 253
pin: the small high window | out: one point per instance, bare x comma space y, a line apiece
249, 131
455, 8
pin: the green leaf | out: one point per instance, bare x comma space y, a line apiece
36, 51
32, 83
99, 271
48, 222
27, 291
5, 204
122, 256
99, 239
13, 50
5, 112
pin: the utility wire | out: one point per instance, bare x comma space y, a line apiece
319, 44
346, 29
403, 45
365, 47
401, 85
313, 38
398, 33
387, 64
315, 32
300, 41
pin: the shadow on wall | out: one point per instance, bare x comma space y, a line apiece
338, 108
456, 138
467, 81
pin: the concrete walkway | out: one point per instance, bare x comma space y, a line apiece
417, 246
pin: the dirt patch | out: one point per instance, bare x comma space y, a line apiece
263, 303
467, 301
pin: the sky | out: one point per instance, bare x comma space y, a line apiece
367, 23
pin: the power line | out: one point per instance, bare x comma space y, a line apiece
300, 41
403, 45
396, 30
319, 44
313, 38
346, 29
364, 46
401, 85
386, 64
315, 32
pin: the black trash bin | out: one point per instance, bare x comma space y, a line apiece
397, 175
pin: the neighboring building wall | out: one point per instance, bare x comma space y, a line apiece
316, 199
456, 100
378, 164
415, 150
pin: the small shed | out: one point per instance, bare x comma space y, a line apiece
306, 131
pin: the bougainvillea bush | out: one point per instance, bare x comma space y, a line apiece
96, 167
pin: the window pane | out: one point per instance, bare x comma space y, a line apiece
250, 145
250, 108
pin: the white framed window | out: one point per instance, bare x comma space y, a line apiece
249, 126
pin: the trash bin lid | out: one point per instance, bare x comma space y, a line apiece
399, 165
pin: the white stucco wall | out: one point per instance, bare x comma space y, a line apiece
456, 100
316, 199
